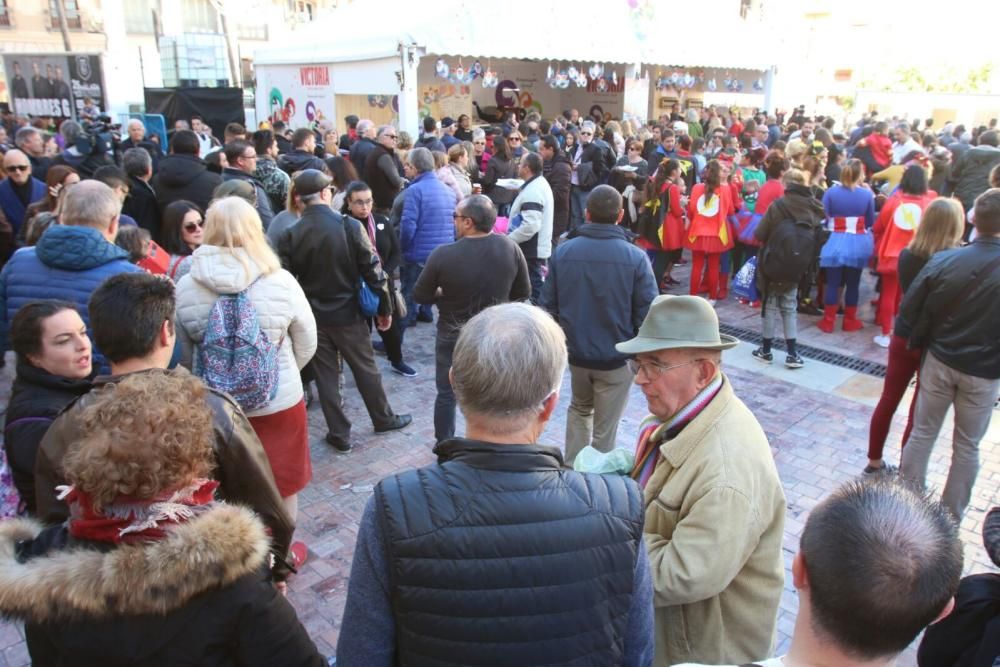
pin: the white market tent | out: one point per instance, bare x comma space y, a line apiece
374, 47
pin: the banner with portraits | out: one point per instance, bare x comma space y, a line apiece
56, 85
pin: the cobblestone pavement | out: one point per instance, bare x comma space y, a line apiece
816, 419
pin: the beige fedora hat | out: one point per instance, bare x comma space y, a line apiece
676, 322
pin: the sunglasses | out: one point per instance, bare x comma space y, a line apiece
516, 140
192, 226
586, 134
14, 168
391, 136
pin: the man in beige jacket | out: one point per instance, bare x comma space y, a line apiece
715, 508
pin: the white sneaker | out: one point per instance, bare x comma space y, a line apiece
882, 341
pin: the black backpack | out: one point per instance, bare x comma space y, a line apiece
790, 251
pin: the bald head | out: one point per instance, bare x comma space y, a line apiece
17, 166
91, 204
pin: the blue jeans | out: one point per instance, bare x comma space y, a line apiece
577, 206
444, 404
409, 272
536, 267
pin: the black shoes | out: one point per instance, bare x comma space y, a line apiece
338, 444
794, 361
401, 421
424, 317
760, 355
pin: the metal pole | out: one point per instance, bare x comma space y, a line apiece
63, 25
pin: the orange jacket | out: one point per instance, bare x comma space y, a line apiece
896, 225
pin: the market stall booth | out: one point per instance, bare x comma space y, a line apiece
471, 58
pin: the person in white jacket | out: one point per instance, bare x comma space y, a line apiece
235, 256
531, 221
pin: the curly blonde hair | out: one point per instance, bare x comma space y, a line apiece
146, 434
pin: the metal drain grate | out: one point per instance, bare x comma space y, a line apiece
809, 352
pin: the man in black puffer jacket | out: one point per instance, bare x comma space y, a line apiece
499, 528
183, 175
303, 154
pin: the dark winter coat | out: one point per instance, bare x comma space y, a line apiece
199, 596
955, 316
559, 173
36, 399
454, 531
184, 177
599, 289
242, 469
329, 254
85, 165
67, 263
360, 151
141, 205
298, 160
970, 174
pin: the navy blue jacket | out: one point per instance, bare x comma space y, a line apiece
68, 263
11, 205
599, 288
427, 217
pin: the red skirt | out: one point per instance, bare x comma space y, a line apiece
285, 436
708, 244
673, 232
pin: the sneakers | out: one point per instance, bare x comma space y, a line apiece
338, 444
794, 361
884, 469
760, 355
882, 341
378, 346
404, 369
401, 421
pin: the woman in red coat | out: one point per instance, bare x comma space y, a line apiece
896, 225
709, 235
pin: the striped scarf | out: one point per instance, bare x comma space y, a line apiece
653, 432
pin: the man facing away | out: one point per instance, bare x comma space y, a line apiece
876, 565
329, 254
70, 259
132, 316
599, 289
497, 554
715, 509
478, 270
953, 309
531, 216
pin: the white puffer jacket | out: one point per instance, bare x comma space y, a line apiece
281, 306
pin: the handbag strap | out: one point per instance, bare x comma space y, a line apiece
974, 281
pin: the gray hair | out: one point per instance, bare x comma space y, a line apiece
137, 162
691, 115
364, 125
89, 204
422, 160
70, 130
478, 133
481, 210
507, 361
588, 125
24, 134
383, 129
135, 122
533, 161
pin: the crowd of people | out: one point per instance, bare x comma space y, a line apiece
190, 298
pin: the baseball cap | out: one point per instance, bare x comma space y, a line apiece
447, 121
310, 181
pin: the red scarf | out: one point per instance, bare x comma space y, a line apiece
129, 519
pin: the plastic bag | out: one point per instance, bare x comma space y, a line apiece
618, 461
745, 281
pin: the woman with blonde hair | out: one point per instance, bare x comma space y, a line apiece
458, 163
147, 554
236, 258
940, 228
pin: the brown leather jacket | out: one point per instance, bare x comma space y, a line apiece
243, 471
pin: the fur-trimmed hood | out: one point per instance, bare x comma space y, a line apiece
208, 552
